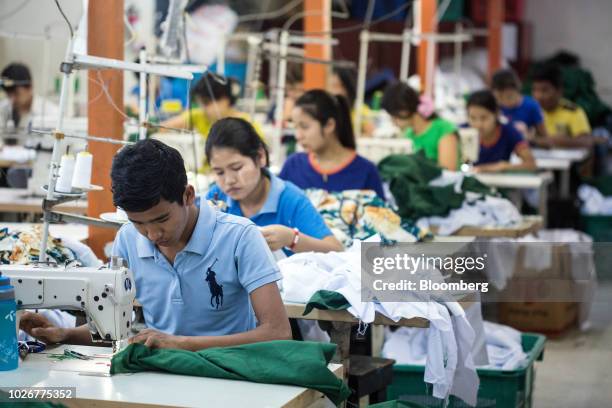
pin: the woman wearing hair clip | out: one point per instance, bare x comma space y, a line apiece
330, 161
216, 96
244, 186
415, 115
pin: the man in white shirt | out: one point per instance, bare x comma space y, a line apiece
21, 106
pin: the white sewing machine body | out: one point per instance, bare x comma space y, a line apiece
106, 294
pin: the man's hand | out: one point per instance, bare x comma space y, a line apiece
277, 236
39, 327
155, 339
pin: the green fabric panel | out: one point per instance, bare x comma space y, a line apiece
414, 168
287, 362
473, 185
423, 201
326, 300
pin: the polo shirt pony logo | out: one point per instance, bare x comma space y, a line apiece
216, 290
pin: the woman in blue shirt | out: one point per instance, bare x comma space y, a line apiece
522, 111
239, 160
324, 130
497, 141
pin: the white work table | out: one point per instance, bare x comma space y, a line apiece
17, 200
573, 155
515, 180
538, 181
154, 389
560, 160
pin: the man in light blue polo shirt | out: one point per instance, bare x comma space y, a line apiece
203, 278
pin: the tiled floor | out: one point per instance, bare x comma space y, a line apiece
577, 369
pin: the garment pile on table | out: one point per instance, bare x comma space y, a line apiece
449, 368
408, 346
360, 214
21, 247
446, 200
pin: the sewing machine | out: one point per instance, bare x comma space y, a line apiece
470, 147
106, 294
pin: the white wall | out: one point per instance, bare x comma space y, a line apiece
583, 27
35, 15
20, 17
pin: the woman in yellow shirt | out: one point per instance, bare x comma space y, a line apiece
344, 82
216, 97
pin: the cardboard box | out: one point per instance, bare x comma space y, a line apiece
541, 300
552, 318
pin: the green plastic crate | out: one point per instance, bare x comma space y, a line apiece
498, 388
600, 228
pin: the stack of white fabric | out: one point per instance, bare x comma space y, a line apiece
504, 347
593, 202
449, 364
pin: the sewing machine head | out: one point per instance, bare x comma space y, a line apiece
470, 146
106, 294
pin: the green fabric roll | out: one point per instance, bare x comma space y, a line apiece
287, 362
326, 300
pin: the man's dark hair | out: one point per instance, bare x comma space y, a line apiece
212, 87
548, 73
505, 79
399, 97
14, 75
145, 173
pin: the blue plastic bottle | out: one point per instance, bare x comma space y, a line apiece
9, 354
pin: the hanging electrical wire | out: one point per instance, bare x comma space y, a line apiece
59, 7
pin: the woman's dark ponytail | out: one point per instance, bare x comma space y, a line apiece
344, 124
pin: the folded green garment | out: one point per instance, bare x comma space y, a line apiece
326, 300
301, 363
